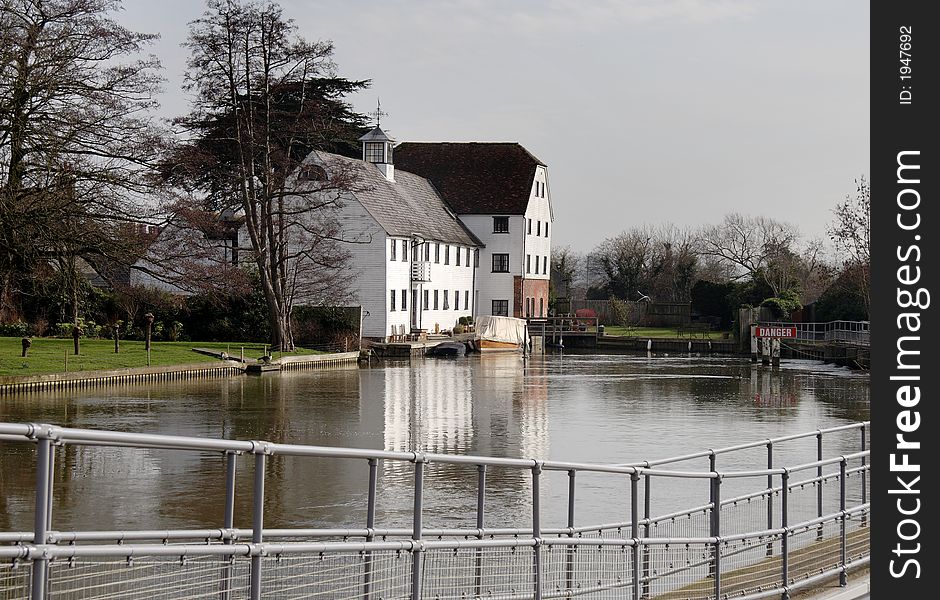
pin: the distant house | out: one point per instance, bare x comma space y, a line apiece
501, 193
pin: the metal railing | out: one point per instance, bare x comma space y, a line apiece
797, 526
854, 333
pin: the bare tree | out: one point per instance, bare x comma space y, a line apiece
565, 267
264, 99
76, 136
661, 263
753, 247
851, 233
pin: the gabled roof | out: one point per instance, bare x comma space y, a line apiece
474, 177
408, 206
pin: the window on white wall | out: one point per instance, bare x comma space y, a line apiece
466, 299
394, 245
404, 299
447, 254
501, 308
427, 251
476, 258
436, 303
500, 224
528, 263
426, 294
528, 227
546, 228
545, 265
391, 300
404, 250
437, 253
457, 258
538, 228
446, 301
456, 299
500, 263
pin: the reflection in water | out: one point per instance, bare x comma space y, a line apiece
577, 407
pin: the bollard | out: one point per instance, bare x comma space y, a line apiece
785, 536
569, 554
370, 526
257, 524
764, 351
775, 351
26, 344
481, 508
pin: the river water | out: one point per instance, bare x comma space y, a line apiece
573, 407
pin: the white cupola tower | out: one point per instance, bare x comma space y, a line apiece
377, 147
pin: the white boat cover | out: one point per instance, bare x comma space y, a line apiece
501, 329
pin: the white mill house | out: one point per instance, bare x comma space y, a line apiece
469, 235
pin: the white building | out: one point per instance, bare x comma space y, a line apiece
501, 193
415, 258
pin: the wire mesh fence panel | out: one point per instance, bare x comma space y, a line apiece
336, 575
14, 580
148, 578
695, 524
858, 536
742, 516
814, 550
679, 571
751, 565
588, 571
505, 571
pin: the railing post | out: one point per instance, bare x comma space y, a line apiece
712, 462
537, 531
41, 517
416, 555
646, 534
819, 483
257, 518
785, 536
716, 531
770, 494
481, 513
842, 541
569, 553
635, 529
370, 526
864, 477
228, 517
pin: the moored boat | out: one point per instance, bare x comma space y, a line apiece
500, 334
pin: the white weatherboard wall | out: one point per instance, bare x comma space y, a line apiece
517, 243
367, 246
495, 286
447, 278
538, 243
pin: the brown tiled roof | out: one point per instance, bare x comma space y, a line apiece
474, 177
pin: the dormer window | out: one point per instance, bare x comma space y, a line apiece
312, 173
375, 152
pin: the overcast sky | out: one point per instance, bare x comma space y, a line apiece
645, 111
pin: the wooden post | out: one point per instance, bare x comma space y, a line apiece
149, 318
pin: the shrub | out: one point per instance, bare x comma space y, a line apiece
15, 329
784, 305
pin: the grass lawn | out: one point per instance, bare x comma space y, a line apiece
47, 355
662, 332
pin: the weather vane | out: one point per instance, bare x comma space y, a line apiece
378, 113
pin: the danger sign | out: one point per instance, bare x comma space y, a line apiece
776, 332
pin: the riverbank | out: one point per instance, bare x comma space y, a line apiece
55, 356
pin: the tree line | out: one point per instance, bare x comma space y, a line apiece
91, 180
742, 260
